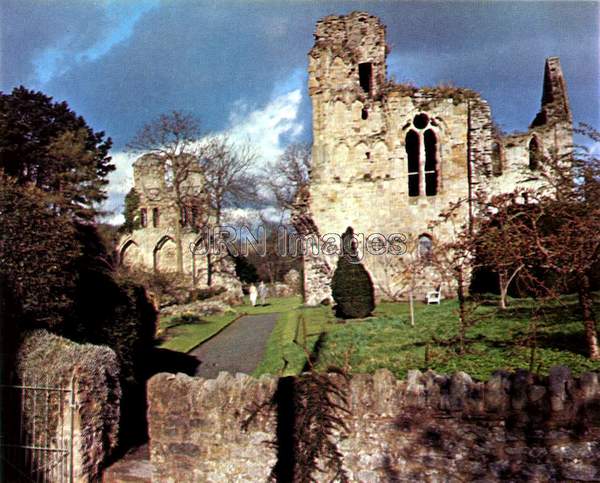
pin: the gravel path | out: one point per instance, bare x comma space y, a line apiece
238, 348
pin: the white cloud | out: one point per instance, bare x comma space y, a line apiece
120, 182
262, 128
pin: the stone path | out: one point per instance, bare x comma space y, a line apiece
238, 348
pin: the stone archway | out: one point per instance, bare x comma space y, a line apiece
164, 257
129, 253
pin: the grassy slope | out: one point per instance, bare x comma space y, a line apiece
503, 341
180, 336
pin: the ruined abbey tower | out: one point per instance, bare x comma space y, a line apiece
160, 218
151, 246
388, 158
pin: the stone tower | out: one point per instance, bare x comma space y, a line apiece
388, 158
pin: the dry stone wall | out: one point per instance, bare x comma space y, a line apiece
429, 427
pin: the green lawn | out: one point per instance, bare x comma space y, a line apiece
502, 341
183, 334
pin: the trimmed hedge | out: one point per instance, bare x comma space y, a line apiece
351, 285
44, 357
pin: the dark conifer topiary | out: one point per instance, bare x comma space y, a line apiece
351, 285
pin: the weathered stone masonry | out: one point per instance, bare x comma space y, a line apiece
388, 158
429, 427
152, 246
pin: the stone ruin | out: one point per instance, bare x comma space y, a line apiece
388, 158
152, 245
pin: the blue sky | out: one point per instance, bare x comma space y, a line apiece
240, 66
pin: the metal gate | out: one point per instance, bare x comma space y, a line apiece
36, 436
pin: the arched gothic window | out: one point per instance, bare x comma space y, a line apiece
425, 248
422, 154
430, 163
412, 151
184, 216
535, 154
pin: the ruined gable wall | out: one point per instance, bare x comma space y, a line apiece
552, 127
151, 244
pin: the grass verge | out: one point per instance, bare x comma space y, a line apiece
184, 333
294, 331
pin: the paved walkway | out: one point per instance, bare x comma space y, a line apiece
238, 348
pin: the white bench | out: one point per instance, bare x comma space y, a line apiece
434, 296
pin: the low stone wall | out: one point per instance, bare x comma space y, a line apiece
47, 360
427, 428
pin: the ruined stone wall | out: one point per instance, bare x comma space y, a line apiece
153, 247
429, 427
360, 171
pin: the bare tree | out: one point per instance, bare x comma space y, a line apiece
173, 139
288, 174
228, 179
228, 182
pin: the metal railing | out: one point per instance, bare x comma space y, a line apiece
36, 438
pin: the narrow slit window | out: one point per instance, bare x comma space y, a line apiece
194, 220
144, 217
365, 74
496, 160
155, 217
430, 163
364, 114
412, 153
535, 154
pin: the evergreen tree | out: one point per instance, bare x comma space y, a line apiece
38, 249
46, 144
132, 204
351, 285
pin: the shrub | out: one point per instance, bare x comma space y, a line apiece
351, 286
111, 311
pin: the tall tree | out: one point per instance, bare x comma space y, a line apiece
130, 210
46, 144
38, 250
228, 178
174, 139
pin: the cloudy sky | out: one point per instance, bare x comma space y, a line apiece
240, 66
